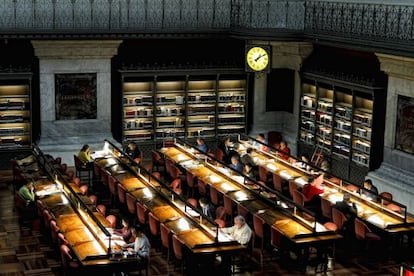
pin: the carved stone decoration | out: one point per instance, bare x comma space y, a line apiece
64, 14
205, 13
172, 18
155, 14
43, 14
137, 13
277, 14
100, 14
24, 14
189, 12
406, 23
7, 14
82, 14
222, 14
295, 15
369, 20
379, 26
114, 14
392, 21
357, 27
259, 14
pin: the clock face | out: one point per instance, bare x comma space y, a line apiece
257, 58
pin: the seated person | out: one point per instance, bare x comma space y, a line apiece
201, 145
126, 231
313, 188
207, 208
132, 151
226, 147
284, 151
304, 163
250, 171
348, 209
263, 143
84, 155
370, 190
236, 164
27, 193
246, 158
240, 231
141, 246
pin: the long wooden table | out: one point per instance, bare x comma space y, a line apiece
198, 241
230, 185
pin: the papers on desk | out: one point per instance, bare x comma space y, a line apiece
301, 181
182, 157
190, 164
238, 179
183, 224
376, 220
240, 196
334, 198
98, 154
227, 187
52, 189
214, 179
272, 167
285, 175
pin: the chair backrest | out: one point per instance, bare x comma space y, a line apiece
168, 167
105, 176
220, 212
361, 229
165, 235
112, 184
228, 205
214, 196
275, 237
202, 187
78, 163
70, 174
131, 203
142, 213
77, 181
102, 209
154, 224
338, 218
112, 220
298, 198
193, 202
258, 225
61, 239
219, 154
386, 195
292, 187
277, 182
40, 207
352, 188
243, 211
177, 247
190, 177
221, 223
176, 183
54, 230
67, 258
156, 175
93, 199
47, 217
263, 172
394, 207
155, 156
96, 170
326, 207
121, 193
84, 189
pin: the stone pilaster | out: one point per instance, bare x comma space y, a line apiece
288, 55
65, 137
396, 174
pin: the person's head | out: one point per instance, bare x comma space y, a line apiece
247, 167
200, 141
305, 158
137, 230
368, 184
30, 185
347, 197
239, 221
283, 145
85, 148
125, 222
227, 140
203, 202
260, 137
249, 150
235, 159
131, 145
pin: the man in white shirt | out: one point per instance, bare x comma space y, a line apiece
240, 231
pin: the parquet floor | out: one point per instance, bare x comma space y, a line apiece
27, 251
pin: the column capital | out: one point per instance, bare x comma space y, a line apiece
75, 49
397, 66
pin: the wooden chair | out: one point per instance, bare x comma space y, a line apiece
158, 162
68, 261
178, 252
166, 239
131, 203
112, 220
83, 169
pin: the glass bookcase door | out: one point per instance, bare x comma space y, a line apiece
15, 115
231, 106
362, 120
138, 110
170, 108
201, 107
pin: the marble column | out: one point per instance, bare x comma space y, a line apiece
396, 173
288, 55
65, 137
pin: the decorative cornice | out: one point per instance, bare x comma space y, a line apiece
397, 66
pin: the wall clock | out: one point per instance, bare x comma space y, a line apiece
257, 58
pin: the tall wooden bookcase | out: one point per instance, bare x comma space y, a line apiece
15, 111
344, 120
159, 106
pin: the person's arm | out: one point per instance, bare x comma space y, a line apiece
245, 235
27, 194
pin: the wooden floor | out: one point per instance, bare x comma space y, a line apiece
27, 251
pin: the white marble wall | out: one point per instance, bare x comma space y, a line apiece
65, 137
284, 55
396, 174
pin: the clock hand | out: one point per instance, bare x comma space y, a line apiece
259, 57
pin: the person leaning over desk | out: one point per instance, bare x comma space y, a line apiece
240, 231
141, 246
27, 192
84, 155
